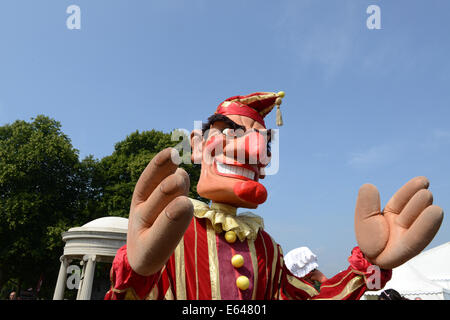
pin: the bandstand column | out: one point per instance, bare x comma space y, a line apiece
80, 287
88, 279
61, 282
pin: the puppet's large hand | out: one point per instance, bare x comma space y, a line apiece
402, 230
160, 213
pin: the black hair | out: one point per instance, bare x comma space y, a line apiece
391, 294
220, 117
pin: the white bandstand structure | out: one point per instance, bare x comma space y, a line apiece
96, 241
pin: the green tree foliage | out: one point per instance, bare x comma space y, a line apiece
40, 192
45, 190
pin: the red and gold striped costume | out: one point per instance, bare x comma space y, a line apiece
201, 268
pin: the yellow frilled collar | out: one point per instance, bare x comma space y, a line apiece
223, 217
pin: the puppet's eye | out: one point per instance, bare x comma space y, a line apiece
228, 132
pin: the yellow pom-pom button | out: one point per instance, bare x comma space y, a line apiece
242, 283
230, 236
281, 94
237, 261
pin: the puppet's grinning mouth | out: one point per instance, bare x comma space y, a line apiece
235, 170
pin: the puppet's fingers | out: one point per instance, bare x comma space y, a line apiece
423, 229
418, 203
156, 171
156, 244
371, 228
368, 202
405, 193
413, 240
171, 187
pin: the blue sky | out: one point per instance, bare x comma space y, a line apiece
361, 105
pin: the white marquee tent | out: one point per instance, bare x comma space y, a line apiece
434, 264
426, 276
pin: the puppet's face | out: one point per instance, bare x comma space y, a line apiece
232, 162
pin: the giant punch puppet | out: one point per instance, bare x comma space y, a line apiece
179, 248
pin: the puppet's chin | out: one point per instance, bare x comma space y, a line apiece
251, 191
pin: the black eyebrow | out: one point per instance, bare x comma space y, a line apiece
220, 117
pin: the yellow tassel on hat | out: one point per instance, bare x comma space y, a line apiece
279, 117
278, 103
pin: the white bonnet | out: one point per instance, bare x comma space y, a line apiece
301, 261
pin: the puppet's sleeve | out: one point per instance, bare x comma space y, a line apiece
127, 284
350, 284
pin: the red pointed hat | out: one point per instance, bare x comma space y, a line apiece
255, 106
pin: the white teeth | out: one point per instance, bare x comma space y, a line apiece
227, 169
